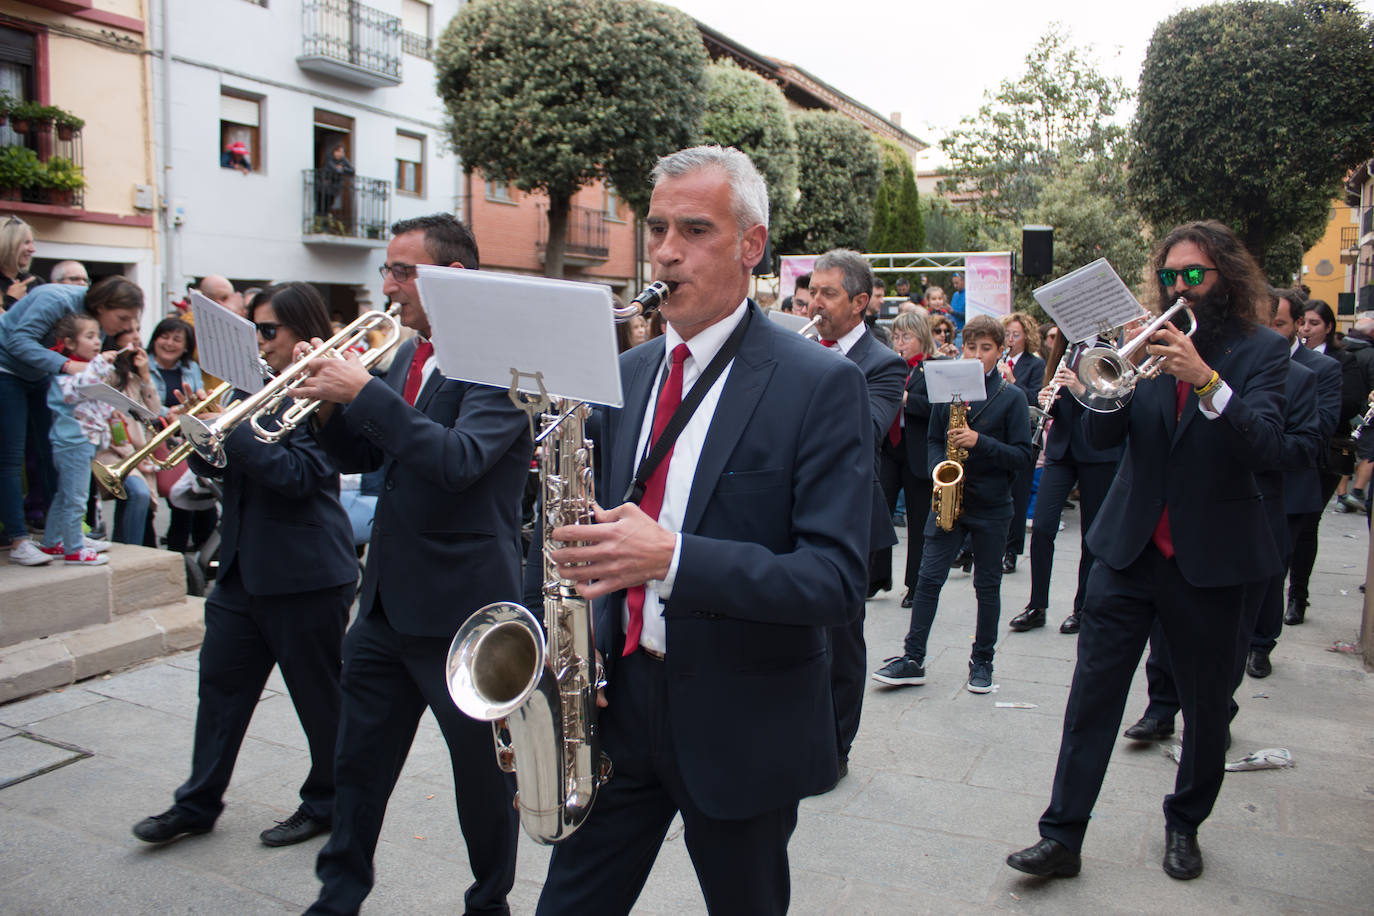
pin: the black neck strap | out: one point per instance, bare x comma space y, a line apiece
659, 449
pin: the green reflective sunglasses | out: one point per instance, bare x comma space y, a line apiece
1192, 276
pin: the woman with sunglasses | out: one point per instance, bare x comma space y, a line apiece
16, 254
942, 331
286, 579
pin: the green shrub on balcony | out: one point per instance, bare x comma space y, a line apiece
19, 170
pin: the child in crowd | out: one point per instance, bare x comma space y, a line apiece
997, 438
79, 427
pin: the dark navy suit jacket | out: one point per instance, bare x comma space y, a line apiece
1003, 448
885, 375
1067, 441
917, 412
1029, 375
1203, 469
446, 531
773, 554
282, 528
1298, 482
1329, 386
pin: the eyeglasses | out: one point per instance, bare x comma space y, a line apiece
268, 329
1192, 275
399, 272
76, 281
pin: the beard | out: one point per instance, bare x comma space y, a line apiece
1216, 317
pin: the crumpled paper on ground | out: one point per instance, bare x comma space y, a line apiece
1268, 758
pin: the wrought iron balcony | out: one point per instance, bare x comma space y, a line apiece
588, 238
349, 41
345, 209
417, 44
42, 164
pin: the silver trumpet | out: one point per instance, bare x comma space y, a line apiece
1365, 420
208, 438
1109, 376
810, 332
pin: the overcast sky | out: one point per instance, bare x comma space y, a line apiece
933, 61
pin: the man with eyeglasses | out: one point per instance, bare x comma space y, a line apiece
454, 457
72, 272
1166, 541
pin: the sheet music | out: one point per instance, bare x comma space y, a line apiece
117, 400
226, 345
485, 324
1088, 300
791, 322
948, 378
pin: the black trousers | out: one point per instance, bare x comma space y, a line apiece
848, 677
1201, 625
986, 537
1020, 501
891, 462
1056, 483
917, 491
245, 635
600, 870
389, 679
1269, 622
1305, 544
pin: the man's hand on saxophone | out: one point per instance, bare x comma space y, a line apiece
623, 548
963, 437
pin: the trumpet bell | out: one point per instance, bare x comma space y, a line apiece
495, 661
1108, 380
110, 479
206, 438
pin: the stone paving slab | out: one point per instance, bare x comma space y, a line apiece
943, 785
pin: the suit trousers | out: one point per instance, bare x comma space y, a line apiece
600, 870
1056, 483
1269, 623
1020, 502
988, 539
245, 635
1199, 625
848, 677
891, 464
917, 511
389, 679
1305, 544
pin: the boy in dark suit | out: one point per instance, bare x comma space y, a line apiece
997, 437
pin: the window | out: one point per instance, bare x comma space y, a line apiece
240, 138
499, 191
410, 164
416, 38
611, 204
16, 77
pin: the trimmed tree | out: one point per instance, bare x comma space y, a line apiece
1251, 113
839, 177
554, 94
748, 112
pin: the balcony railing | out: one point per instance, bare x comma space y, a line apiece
340, 208
347, 40
418, 45
588, 237
40, 165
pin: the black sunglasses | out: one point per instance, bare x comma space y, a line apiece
268, 329
1192, 276
399, 272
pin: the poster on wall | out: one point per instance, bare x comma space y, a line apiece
987, 285
792, 267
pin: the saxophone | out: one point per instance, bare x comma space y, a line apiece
947, 493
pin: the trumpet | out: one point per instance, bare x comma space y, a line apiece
1108, 375
810, 332
111, 476
208, 438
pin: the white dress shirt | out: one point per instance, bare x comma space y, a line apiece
850, 339
682, 465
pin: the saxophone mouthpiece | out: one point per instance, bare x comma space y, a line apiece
651, 297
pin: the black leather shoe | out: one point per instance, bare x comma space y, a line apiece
1047, 859
1148, 729
1070, 624
170, 824
875, 587
1009, 564
964, 560
1257, 665
297, 828
1028, 619
1182, 857
907, 598
1296, 613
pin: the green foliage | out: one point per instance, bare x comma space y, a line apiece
1058, 111
947, 227
897, 223
839, 178
748, 112
1251, 113
553, 94
19, 168
61, 174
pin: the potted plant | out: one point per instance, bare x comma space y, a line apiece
25, 115
62, 178
19, 171
67, 124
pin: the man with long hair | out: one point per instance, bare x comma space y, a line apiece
1165, 541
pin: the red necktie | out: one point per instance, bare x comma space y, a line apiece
828, 343
1163, 538
652, 502
423, 351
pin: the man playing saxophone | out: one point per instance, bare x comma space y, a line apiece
996, 435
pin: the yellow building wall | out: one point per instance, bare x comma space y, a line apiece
1322, 269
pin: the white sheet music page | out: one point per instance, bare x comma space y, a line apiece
1089, 300
788, 320
947, 379
118, 400
485, 324
227, 344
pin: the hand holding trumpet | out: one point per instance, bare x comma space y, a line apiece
335, 379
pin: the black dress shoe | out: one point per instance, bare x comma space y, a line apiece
1009, 564
1296, 613
1148, 729
1047, 859
297, 828
170, 824
964, 560
1028, 619
907, 598
875, 587
1070, 624
1182, 857
1257, 665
